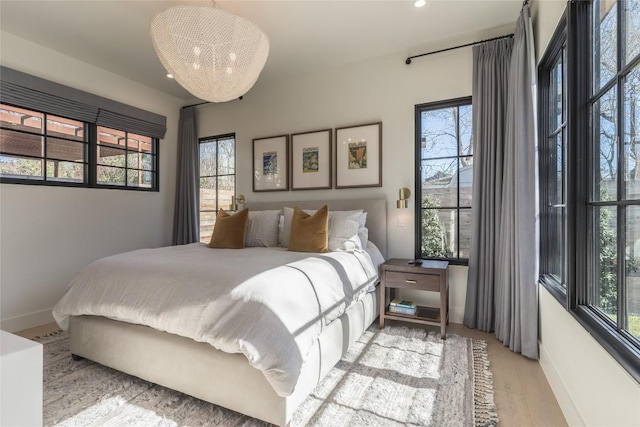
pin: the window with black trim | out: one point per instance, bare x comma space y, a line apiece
217, 179
125, 159
41, 148
601, 166
444, 179
553, 164
613, 199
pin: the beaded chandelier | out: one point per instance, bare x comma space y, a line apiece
215, 55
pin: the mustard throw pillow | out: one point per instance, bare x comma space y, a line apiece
309, 233
230, 230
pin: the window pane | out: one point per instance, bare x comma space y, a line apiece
605, 146
556, 243
604, 42
556, 96
111, 156
439, 137
226, 157
226, 189
65, 128
62, 149
465, 232
439, 182
21, 143
436, 240
605, 260
632, 133
112, 176
466, 130
208, 200
633, 270
138, 142
208, 155
21, 119
111, 137
207, 222
17, 167
140, 161
133, 178
632, 42
556, 171
465, 181
65, 171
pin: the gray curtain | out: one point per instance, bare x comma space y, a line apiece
489, 93
502, 294
185, 219
516, 294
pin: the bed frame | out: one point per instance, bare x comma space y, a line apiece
227, 379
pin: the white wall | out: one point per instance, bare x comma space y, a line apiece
590, 386
47, 234
384, 89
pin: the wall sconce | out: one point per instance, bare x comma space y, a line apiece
235, 201
403, 195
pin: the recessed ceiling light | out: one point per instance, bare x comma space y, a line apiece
170, 75
420, 3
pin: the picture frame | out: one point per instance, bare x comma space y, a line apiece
271, 163
358, 156
311, 160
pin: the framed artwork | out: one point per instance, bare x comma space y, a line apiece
311, 160
271, 163
359, 156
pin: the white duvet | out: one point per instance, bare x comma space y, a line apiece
267, 303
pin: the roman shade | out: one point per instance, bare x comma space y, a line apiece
27, 91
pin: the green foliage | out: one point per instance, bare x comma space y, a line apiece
608, 296
433, 235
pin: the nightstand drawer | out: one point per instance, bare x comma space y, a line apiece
425, 282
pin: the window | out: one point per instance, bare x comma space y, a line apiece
38, 146
593, 194
42, 148
217, 179
444, 178
125, 159
553, 169
613, 199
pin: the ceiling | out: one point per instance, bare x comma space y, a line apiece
305, 36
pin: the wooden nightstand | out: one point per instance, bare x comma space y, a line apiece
428, 276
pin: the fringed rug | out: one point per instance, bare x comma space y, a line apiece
391, 377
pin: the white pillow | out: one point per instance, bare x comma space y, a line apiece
363, 231
262, 228
343, 229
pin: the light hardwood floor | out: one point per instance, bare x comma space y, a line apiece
522, 394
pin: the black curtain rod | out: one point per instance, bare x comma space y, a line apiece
408, 61
195, 105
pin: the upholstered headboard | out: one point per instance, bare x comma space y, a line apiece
376, 213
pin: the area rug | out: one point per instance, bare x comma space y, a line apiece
391, 377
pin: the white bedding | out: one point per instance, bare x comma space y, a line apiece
271, 305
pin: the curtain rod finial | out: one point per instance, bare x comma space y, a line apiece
408, 61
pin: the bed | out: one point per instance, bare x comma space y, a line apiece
195, 367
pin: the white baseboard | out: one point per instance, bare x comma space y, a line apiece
26, 321
568, 407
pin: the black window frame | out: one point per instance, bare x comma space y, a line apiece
419, 109
556, 51
90, 161
217, 139
624, 348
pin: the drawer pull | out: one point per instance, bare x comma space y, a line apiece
410, 281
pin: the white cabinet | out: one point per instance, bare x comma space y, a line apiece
20, 381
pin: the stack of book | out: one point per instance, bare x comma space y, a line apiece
403, 307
